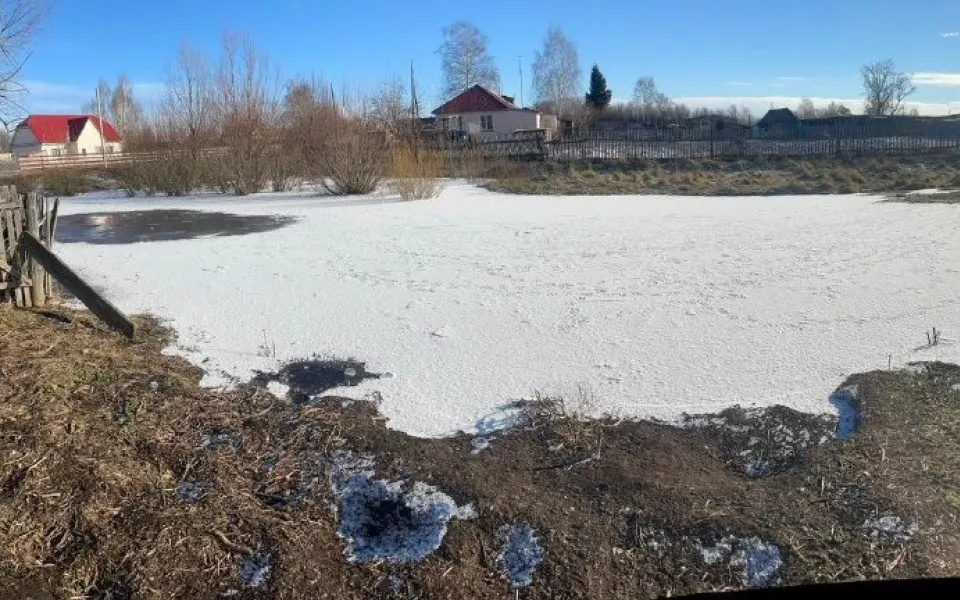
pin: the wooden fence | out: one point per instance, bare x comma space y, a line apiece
732, 143
40, 163
23, 281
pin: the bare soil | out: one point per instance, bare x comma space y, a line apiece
122, 478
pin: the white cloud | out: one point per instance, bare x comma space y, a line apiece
777, 85
739, 83
759, 105
950, 34
941, 79
793, 78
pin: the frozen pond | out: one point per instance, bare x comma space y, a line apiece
639, 306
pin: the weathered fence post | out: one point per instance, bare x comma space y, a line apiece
37, 292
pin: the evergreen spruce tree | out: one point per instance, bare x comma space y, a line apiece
599, 95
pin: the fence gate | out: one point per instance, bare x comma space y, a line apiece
22, 280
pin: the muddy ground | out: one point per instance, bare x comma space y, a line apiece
121, 478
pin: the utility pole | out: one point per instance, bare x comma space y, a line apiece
103, 146
520, 68
414, 116
414, 102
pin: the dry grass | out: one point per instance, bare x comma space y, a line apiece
825, 175
940, 198
415, 173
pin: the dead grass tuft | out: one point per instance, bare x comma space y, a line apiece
755, 176
415, 173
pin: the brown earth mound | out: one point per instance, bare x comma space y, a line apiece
121, 478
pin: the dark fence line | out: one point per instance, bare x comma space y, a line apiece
730, 143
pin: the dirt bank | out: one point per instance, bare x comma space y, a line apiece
122, 478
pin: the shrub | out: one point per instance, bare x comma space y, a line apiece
415, 173
353, 160
68, 183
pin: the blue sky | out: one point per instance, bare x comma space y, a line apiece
709, 52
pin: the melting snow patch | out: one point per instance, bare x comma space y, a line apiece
508, 416
762, 441
760, 561
520, 554
850, 417
280, 390
389, 520
479, 444
255, 571
891, 527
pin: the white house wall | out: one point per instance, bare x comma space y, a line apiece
504, 122
89, 140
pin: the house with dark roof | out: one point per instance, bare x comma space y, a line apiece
778, 119
60, 135
479, 112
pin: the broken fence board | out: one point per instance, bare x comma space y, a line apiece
97, 304
16, 225
32, 206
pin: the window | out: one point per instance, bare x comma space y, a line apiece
54, 151
486, 122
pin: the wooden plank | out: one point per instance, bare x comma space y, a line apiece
15, 224
97, 304
51, 224
37, 292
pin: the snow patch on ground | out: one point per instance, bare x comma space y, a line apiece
891, 527
759, 561
849, 415
393, 521
255, 570
656, 305
479, 444
520, 553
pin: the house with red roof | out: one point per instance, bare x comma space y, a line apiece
479, 112
62, 135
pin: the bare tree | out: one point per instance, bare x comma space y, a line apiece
19, 22
650, 104
124, 108
189, 101
806, 109
556, 72
389, 109
247, 106
104, 91
885, 88
465, 60
118, 104
835, 109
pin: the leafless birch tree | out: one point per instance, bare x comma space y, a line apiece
557, 73
465, 60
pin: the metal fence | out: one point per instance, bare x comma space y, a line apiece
731, 143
